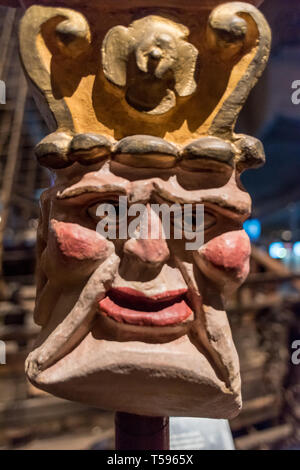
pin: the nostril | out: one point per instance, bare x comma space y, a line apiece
153, 252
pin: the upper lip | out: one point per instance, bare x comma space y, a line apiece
131, 307
130, 298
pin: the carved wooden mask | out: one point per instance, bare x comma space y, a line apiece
142, 103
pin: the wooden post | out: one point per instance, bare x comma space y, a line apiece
135, 432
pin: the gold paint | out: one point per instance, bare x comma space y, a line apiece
98, 106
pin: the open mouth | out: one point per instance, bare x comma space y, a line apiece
129, 306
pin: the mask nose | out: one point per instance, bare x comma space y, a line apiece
152, 249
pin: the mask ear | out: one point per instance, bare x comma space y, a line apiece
115, 51
237, 30
45, 32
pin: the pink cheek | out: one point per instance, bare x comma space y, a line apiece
229, 251
75, 242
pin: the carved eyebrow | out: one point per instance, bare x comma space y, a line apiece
214, 200
77, 191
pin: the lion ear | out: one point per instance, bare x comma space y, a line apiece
46, 32
115, 51
237, 30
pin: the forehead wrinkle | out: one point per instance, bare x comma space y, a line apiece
103, 189
227, 197
105, 183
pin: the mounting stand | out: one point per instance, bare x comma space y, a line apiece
135, 432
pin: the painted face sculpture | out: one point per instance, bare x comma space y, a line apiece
142, 106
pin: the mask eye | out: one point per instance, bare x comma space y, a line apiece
108, 209
190, 222
209, 220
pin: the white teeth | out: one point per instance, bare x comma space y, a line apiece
77, 323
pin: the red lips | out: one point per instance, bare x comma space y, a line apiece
126, 305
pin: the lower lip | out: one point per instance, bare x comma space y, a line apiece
173, 314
